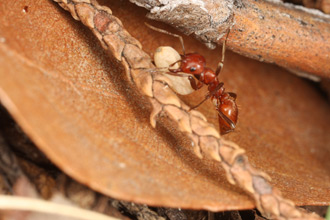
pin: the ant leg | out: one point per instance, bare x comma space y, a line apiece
176, 74
174, 70
206, 98
230, 122
190, 78
168, 33
220, 64
233, 95
174, 63
209, 95
193, 83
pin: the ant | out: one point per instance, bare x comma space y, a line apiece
194, 64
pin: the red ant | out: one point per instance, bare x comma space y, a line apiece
194, 64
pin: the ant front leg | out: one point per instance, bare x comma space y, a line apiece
193, 83
175, 70
190, 78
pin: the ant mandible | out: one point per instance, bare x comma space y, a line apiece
194, 64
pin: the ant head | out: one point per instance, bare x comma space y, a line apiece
193, 63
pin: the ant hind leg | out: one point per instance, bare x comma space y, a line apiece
233, 95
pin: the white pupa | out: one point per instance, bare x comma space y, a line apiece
163, 58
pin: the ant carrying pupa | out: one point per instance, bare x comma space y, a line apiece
193, 67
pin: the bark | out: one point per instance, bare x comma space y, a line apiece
270, 31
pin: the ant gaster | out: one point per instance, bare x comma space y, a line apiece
194, 65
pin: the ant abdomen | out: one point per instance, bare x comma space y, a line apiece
227, 108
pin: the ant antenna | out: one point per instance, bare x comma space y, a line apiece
168, 33
220, 64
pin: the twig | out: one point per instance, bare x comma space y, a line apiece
290, 36
37, 205
205, 138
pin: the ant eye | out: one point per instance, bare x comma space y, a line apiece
192, 69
